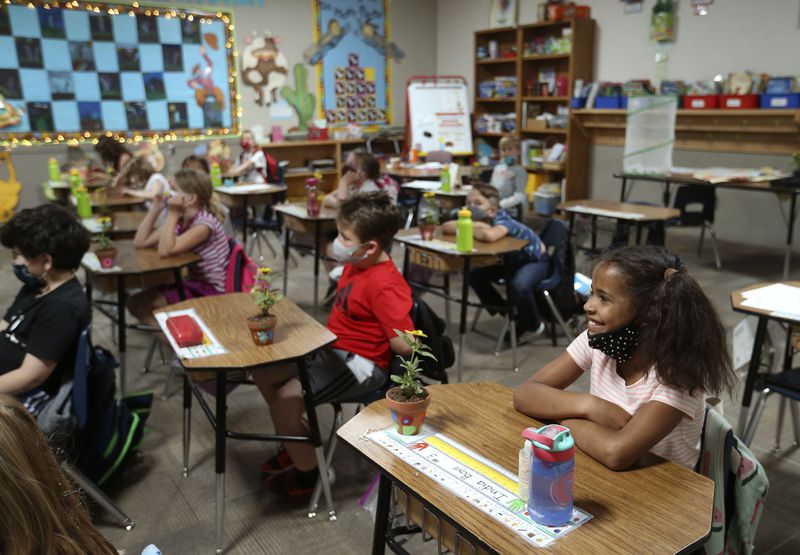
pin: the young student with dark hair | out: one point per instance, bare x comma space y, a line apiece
139, 179
113, 154
42, 511
361, 174
38, 333
654, 348
195, 162
194, 223
529, 266
372, 300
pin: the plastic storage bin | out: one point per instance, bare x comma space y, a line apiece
577, 102
706, 102
788, 100
738, 101
608, 102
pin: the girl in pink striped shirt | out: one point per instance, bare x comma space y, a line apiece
654, 348
194, 223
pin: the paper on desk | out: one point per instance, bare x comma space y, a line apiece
251, 188
210, 344
429, 166
91, 261
720, 175
423, 185
433, 244
93, 225
619, 214
779, 299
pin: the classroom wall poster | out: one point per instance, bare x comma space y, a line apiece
352, 51
79, 70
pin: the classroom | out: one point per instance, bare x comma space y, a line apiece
409, 276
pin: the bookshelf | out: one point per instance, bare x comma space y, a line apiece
527, 68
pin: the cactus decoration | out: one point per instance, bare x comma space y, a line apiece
301, 100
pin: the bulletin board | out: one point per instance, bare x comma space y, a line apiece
76, 70
437, 114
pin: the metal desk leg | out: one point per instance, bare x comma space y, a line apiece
219, 456
638, 233
179, 284
665, 194
286, 242
317, 228
594, 233
244, 226
752, 373
571, 226
622, 190
512, 313
406, 260
316, 438
121, 331
787, 257
462, 326
187, 422
382, 515
88, 279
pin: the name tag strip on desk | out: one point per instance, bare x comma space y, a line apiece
210, 345
484, 484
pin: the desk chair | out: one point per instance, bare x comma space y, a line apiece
705, 198
269, 221
786, 384
441, 156
80, 410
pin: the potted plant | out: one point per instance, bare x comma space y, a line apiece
408, 401
106, 223
104, 210
262, 325
106, 251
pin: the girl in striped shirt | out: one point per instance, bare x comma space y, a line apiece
194, 223
654, 348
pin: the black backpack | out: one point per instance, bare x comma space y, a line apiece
441, 345
114, 426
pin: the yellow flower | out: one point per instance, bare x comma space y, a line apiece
418, 333
265, 270
104, 219
317, 175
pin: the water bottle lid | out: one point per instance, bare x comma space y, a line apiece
464, 213
428, 194
553, 438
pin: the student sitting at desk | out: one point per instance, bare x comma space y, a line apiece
252, 165
372, 300
529, 266
113, 155
361, 174
654, 348
39, 332
510, 178
139, 179
194, 223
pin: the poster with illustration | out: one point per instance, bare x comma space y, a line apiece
352, 51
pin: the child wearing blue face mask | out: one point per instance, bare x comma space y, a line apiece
529, 266
40, 330
510, 178
372, 299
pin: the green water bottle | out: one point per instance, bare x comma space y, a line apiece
75, 181
55, 172
84, 203
216, 175
464, 231
445, 178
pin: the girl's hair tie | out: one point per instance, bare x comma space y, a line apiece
669, 273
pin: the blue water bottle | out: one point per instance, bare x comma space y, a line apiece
552, 474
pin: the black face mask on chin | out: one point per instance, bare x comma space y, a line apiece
619, 344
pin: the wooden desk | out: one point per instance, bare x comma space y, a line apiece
243, 194
744, 429
441, 258
296, 218
297, 335
663, 508
788, 187
115, 202
637, 214
134, 263
125, 225
454, 198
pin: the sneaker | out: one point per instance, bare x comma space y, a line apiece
526, 335
278, 463
293, 482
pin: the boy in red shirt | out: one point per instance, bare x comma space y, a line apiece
372, 299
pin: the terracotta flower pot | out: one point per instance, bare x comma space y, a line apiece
408, 416
262, 328
426, 231
107, 257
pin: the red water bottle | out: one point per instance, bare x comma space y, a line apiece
312, 196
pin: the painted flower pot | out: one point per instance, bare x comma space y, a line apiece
107, 257
408, 416
262, 328
426, 231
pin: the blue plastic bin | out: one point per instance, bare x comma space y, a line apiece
577, 102
788, 100
608, 102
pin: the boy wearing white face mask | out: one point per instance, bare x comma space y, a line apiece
529, 266
510, 178
372, 299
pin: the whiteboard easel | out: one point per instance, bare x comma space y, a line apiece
437, 115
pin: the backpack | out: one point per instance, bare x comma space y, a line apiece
273, 173
441, 345
114, 426
241, 273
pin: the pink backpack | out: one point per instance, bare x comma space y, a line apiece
241, 274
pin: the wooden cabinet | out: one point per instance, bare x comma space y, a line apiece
528, 68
